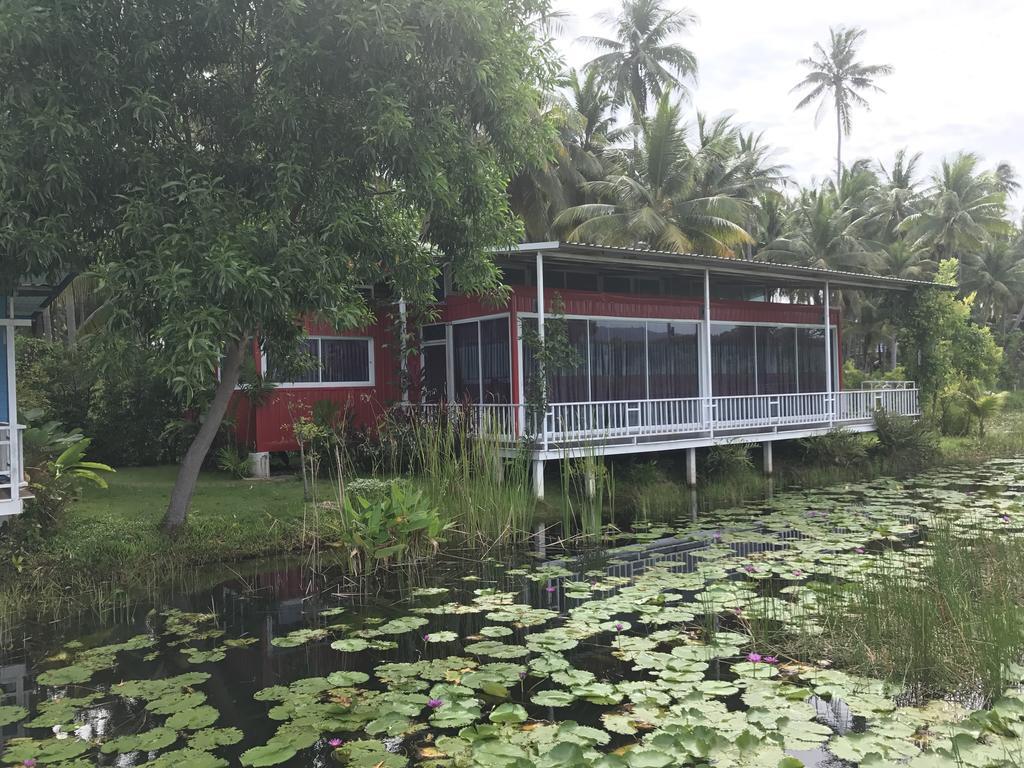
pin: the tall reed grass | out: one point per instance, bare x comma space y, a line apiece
952, 624
465, 465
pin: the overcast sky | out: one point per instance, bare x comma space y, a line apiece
957, 82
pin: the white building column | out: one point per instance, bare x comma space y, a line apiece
403, 330
706, 388
766, 452
829, 398
691, 467
543, 374
12, 407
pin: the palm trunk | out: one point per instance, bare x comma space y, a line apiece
893, 352
188, 472
839, 151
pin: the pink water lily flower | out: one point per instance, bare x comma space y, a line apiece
426, 638
797, 572
754, 657
30, 763
749, 569
335, 742
619, 627
435, 703
550, 589
770, 660
859, 550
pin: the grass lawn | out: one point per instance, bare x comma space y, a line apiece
230, 520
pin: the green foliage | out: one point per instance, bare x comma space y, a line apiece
728, 459
233, 461
940, 343
904, 442
398, 526
838, 448
112, 393
71, 464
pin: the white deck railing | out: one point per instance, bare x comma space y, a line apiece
11, 463
680, 418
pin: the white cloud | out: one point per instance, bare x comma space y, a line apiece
956, 84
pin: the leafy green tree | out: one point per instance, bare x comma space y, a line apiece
641, 62
236, 167
652, 197
836, 78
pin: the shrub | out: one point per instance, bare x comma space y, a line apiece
837, 448
400, 525
233, 461
728, 459
907, 443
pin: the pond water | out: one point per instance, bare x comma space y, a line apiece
636, 654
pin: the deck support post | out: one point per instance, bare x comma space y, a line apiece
590, 482
538, 478
766, 452
691, 467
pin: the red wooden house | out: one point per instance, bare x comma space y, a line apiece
673, 351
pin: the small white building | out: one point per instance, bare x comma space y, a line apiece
17, 308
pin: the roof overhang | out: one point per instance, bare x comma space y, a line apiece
780, 275
31, 296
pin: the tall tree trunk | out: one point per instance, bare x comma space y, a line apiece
71, 316
893, 352
188, 472
839, 150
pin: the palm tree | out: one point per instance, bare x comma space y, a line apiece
582, 120
822, 233
965, 208
996, 275
652, 197
898, 197
642, 62
837, 78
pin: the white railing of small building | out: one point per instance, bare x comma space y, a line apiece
681, 418
11, 464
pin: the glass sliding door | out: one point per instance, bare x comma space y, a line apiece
776, 361
466, 361
480, 361
495, 362
733, 360
811, 359
618, 360
672, 360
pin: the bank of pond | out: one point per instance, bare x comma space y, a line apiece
874, 624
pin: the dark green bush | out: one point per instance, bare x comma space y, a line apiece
728, 459
837, 448
117, 399
904, 442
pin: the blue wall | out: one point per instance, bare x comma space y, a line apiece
3, 362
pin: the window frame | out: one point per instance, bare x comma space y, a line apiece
319, 339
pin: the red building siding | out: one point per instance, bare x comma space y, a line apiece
270, 429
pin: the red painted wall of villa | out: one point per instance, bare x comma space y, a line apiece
270, 427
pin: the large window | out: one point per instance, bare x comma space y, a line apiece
481, 361
346, 362
776, 360
623, 360
733, 360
